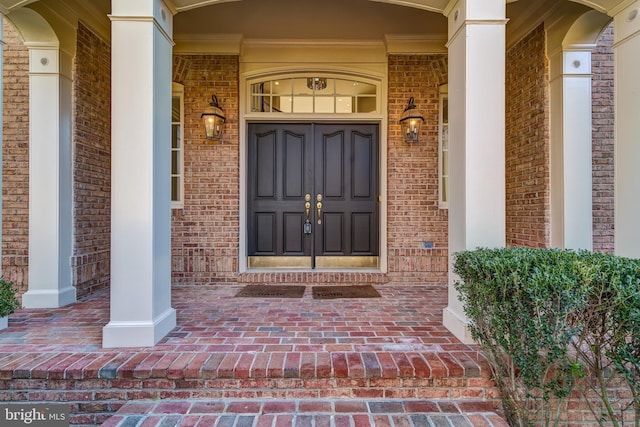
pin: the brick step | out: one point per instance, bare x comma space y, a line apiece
98, 384
307, 412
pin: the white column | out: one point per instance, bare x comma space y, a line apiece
141, 312
571, 184
477, 136
627, 131
1, 122
50, 185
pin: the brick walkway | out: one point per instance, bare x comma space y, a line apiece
227, 348
306, 413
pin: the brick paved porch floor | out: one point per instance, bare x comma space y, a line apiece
310, 357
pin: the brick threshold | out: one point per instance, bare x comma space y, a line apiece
307, 413
353, 277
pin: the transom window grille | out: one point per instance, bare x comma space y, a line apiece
313, 94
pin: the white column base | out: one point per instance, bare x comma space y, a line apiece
57, 298
138, 334
457, 325
4, 322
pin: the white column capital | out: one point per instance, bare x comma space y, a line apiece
463, 10
627, 23
576, 62
461, 13
44, 60
159, 12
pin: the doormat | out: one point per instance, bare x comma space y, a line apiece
336, 292
271, 291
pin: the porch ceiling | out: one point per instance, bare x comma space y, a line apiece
363, 20
308, 19
434, 6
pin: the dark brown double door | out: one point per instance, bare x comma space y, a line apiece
313, 195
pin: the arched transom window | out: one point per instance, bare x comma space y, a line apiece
315, 94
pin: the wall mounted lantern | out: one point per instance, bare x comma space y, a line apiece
213, 118
411, 122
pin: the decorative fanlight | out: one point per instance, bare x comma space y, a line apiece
213, 118
411, 122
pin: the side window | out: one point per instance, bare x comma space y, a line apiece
177, 133
443, 168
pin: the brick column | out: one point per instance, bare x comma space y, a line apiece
477, 136
141, 312
571, 168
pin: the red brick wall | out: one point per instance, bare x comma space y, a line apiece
603, 121
414, 215
205, 234
527, 142
91, 162
15, 160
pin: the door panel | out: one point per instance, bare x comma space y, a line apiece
294, 164
265, 169
336, 165
293, 236
363, 163
331, 165
333, 237
280, 173
266, 232
361, 242
347, 179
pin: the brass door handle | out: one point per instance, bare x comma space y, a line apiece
319, 207
307, 206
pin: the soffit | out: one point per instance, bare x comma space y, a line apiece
309, 20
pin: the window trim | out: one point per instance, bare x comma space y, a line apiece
443, 180
178, 91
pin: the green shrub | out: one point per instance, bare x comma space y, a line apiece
8, 301
550, 321
610, 341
